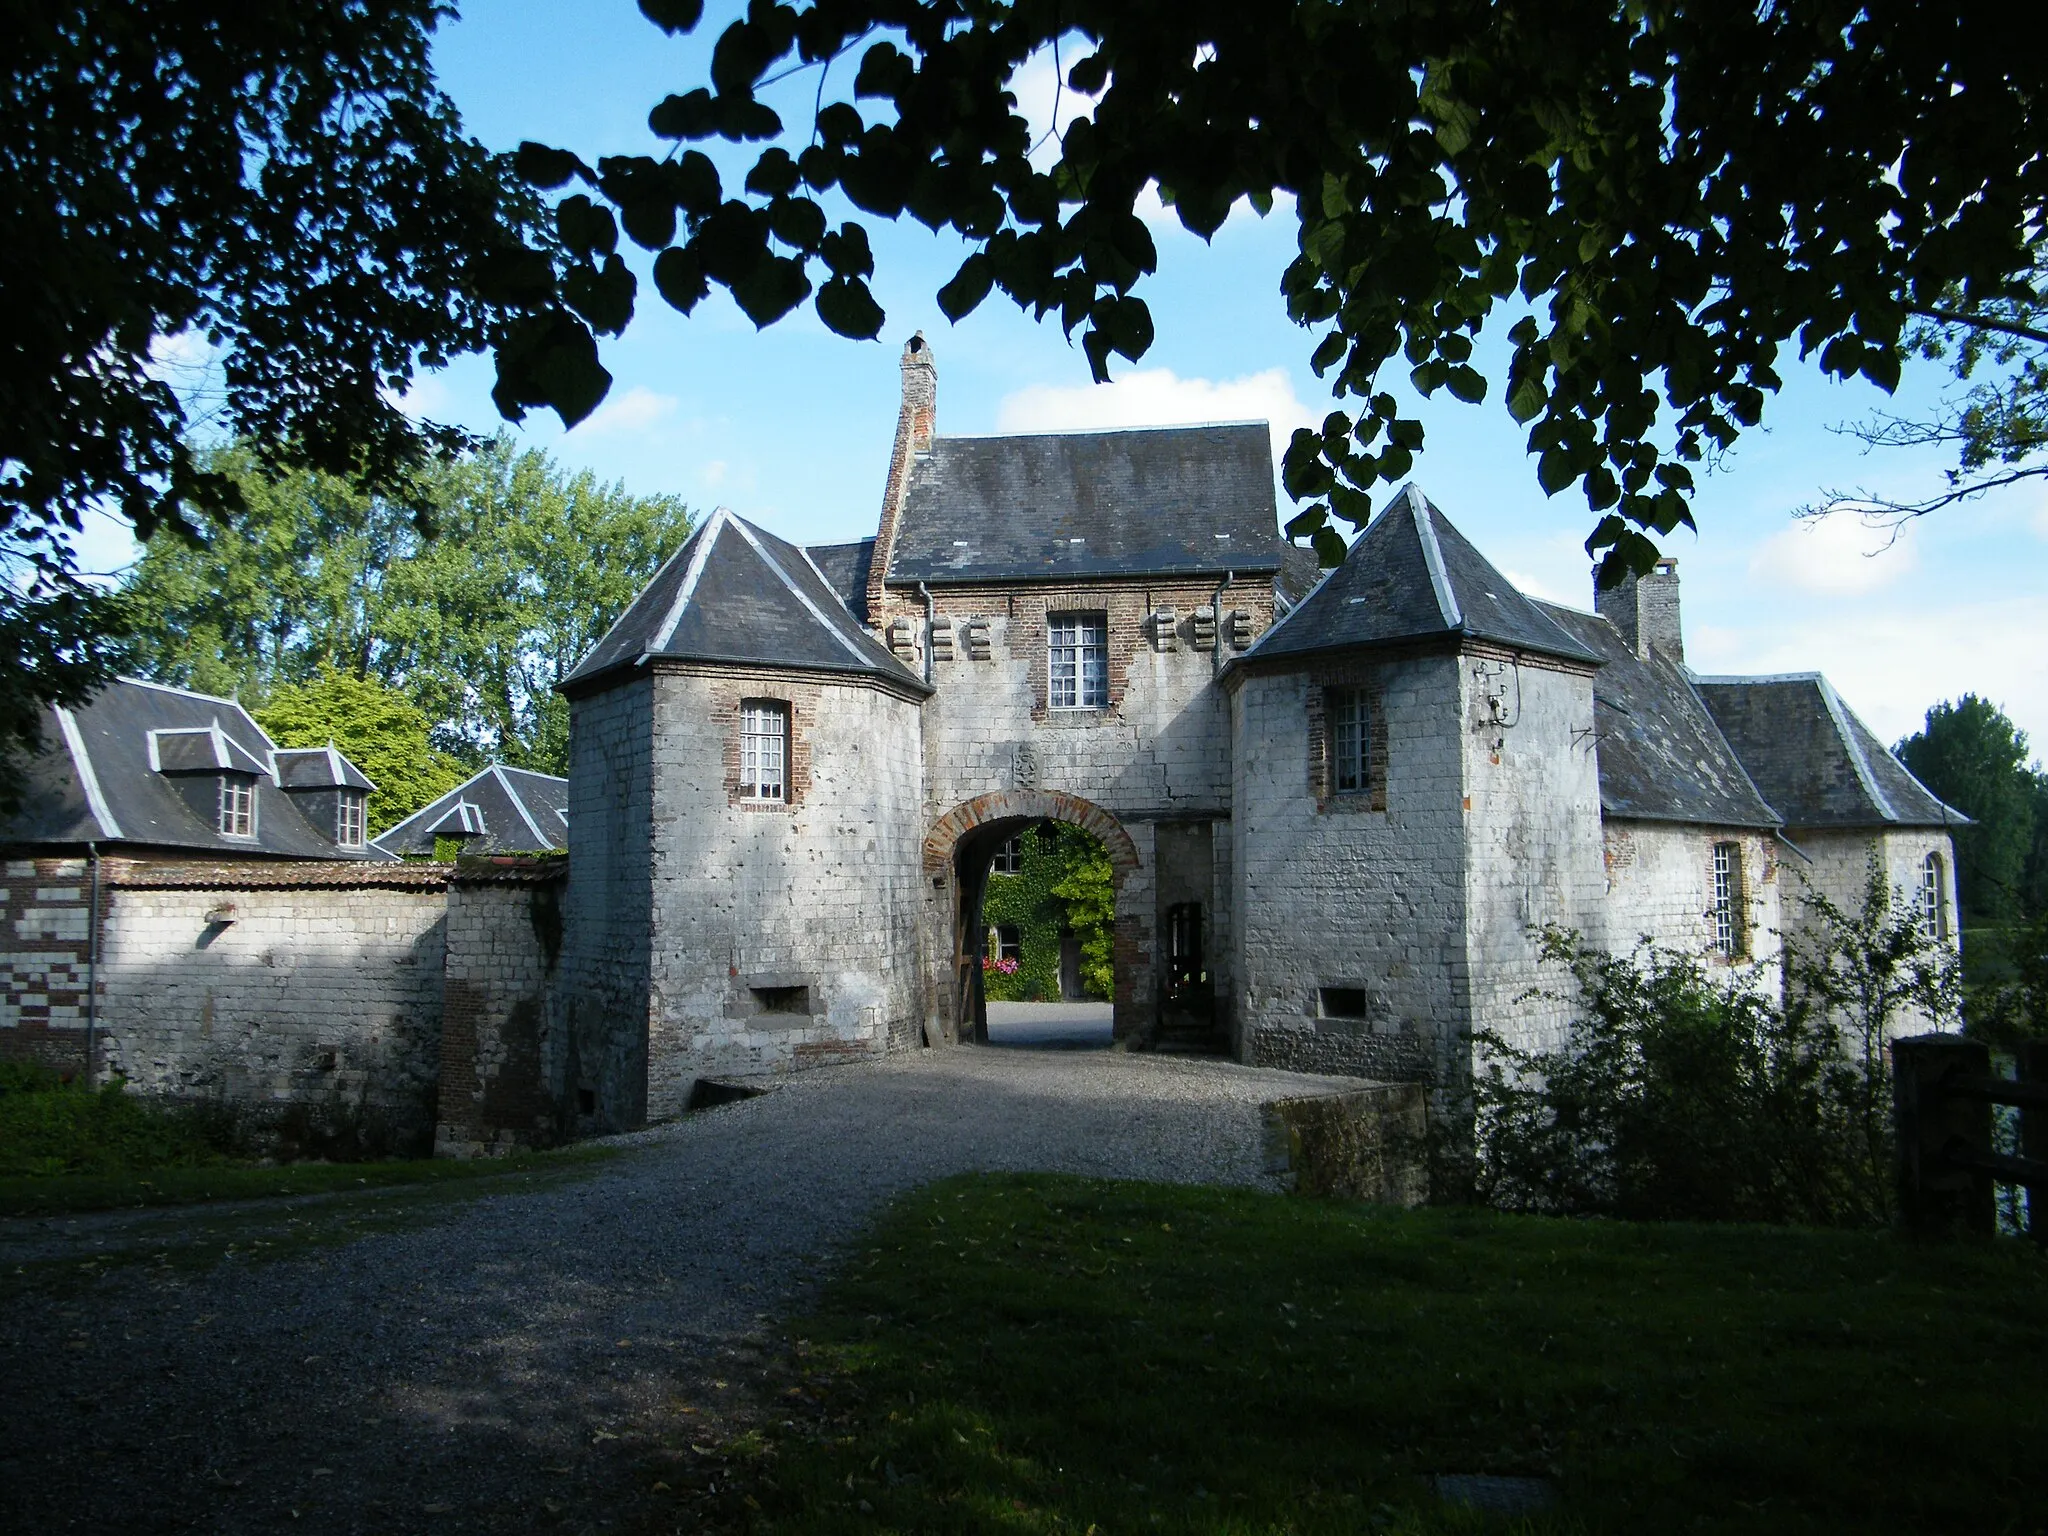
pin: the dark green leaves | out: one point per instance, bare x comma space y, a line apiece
846, 306
969, 286
679, 278
771, 288
673, 16
584, 227
539, 166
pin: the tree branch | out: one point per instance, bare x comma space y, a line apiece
1897, 514
1980, 322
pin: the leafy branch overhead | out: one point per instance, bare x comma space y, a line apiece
1664, 196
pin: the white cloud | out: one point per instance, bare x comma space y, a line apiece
1159, 397
1838, 555
173, 357
427, 398
639, 410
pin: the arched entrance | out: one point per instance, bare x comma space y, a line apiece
957, 854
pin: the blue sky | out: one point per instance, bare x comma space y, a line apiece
792, 426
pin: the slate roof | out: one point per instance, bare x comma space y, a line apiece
1412, 576
317, 768
845, 568
1816, 763
98, 777
736, 593
500, 810
1661, 756
1171, 501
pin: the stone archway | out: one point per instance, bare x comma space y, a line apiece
957, 852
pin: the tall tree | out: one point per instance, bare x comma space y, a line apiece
281, 178
1975, 759
1663, 196
527, 567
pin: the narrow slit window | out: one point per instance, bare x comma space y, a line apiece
237, 806
1078, 663
1726, 911
1350, 740
764, 750
1933, 909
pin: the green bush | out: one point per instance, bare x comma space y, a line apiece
1683, 1096
1065, 886
51, 1127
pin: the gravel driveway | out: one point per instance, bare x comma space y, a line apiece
498, 1363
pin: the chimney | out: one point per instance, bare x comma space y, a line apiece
917, 424
1645, 610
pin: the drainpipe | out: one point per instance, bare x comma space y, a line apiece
931, 614
1216, 608
92, 965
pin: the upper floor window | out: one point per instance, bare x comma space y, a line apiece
1009, 859
1350, 740
1726, 911
237, 806
1078, 664
348, 819
764, 749
1933, 908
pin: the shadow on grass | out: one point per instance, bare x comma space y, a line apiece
1034, 1353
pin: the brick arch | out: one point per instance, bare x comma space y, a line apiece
1029, 805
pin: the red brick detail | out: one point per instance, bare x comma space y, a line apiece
1029, 805
1353, 674
802, 699
43, 989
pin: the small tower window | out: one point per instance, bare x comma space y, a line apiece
1350, 740
764, 749
1933, 906
237, 806
348, 819
1726, 912
1078, 660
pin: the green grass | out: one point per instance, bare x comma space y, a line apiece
1038, 1354
43, 1195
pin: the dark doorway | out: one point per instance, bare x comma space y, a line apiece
1033, 922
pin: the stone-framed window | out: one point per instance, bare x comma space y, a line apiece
1347, 742
350, 827
235, 814
1005, 942
764, 751
1077, 660
1933, 899
1009, 859
1728, 905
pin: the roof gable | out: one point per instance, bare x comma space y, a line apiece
736, 593
497, 810
1412, 576
1167, 501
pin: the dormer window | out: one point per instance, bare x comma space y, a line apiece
237, 813
349, 819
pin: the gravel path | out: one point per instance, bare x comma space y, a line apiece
498, 1363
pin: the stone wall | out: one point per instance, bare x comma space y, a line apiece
1660, 881
501, 1079
604, 995
1836, 864
306, 995
782, 935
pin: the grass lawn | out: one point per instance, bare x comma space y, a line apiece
1041, 1354
51, 1194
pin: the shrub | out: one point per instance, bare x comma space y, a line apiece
1683, 1095
52, 1127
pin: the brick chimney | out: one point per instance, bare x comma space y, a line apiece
916, 425
1645, 610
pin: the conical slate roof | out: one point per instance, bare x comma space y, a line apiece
736, 593
1413, 576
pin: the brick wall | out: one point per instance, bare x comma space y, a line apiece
44, 931
1660, 879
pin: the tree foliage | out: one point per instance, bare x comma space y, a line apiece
1679, 1095
1975, 759
377, 728
314, 575
282, 181
1065, 885
1664, 197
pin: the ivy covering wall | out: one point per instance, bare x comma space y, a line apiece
1064, 886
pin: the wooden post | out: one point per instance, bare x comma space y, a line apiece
2033, 1068
1936, 1196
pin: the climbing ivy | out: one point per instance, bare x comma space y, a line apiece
1062, 887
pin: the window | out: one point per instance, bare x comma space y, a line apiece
1727, 909
764, 749
1009, 859
1933, 909
1006, 942
348, 820
237, 816
1342, 1002
1350, 740
1078, 669
782, 999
